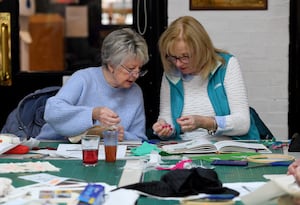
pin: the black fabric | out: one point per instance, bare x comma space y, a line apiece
184, 182
295, 143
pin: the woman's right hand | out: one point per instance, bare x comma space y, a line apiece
106, 116
162, 128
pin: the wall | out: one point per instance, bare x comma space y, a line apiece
260, 39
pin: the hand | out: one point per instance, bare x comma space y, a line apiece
121, 133
297, 176
105, 116
294, 169
188, 123
162, 128
296, 200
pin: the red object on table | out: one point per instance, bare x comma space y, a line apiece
19, 149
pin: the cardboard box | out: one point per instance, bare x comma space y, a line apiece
46, 51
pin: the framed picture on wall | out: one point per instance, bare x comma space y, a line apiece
228, 4
65, 1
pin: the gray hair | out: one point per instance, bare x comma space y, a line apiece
123, 44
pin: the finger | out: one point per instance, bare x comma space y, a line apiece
182, 119
111, 121
157, 127
115, 121
120, 137
296, 200
108, 113
184, 122
186, 128
166, 132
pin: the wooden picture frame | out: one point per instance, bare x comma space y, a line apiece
228, 4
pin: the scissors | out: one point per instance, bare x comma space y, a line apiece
272, 164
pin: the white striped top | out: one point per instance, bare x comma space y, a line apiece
196, 101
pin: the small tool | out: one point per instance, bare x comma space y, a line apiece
230, 162
218, 196
278, 163
39, 148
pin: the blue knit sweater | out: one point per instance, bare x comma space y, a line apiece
69, 113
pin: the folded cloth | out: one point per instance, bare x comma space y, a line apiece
184, 182
144, 149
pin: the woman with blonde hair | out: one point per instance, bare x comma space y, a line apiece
202, 89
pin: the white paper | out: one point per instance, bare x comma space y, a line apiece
44, 178
74, 151
20, 167
244, 188
8, 141
5, 146
31, 195
271, 190
76, 21
27, 7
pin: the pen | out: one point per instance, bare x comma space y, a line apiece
38, 148
218, 197
152, 141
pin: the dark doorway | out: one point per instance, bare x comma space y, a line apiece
149, 18
294, 69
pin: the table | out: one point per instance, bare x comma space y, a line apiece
110, 173
225, 173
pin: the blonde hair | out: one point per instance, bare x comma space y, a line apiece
203, 54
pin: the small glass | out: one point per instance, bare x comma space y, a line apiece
90, 149
110, 138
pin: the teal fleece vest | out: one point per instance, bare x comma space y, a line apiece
217, 96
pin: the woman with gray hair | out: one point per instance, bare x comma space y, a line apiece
106, 95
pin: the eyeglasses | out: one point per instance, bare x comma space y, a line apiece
131, 72
182, 59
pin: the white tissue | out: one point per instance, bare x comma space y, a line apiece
5, 186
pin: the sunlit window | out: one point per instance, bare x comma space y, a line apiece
66, 35
116, 12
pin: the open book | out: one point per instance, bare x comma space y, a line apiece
205, 146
